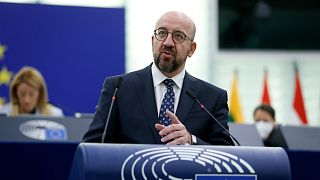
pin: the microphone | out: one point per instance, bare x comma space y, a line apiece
203, 107
110, 109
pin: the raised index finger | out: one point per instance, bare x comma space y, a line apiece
174, 119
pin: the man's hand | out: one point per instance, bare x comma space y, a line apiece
175, 133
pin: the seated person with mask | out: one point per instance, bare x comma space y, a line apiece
264, 117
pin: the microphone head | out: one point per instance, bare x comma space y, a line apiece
190, 95
119, 82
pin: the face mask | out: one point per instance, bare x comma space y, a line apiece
264, 128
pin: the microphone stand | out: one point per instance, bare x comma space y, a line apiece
110, 110
203, 107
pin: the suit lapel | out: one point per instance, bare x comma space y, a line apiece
185, 102
145, 92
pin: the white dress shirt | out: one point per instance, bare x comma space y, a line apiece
160, 88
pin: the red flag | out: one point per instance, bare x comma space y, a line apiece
298, 104
265, 93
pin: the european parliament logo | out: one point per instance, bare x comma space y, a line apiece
174, 162
44, 130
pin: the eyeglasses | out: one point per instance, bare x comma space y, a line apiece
178, 37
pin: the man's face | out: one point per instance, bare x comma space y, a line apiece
169, 56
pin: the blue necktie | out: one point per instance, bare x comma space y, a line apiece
167, 103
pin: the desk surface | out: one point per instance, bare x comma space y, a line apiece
35, 128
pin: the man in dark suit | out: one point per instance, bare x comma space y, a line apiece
149, 110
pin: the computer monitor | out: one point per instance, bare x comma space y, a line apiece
246, 134
302, 137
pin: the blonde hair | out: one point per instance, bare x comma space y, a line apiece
32, 77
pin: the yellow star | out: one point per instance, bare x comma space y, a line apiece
5, 76
2, 100
3, 48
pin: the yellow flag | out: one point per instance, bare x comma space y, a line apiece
234, 103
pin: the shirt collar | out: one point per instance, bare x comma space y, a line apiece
158, 77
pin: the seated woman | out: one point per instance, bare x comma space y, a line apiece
28, 95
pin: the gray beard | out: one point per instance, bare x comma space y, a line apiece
167, 67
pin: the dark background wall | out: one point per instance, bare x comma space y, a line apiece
269, 24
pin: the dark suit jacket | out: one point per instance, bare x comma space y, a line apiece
134, 113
